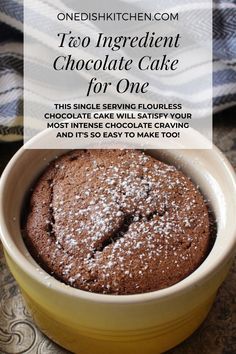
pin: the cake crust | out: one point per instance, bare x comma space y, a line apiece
116, 222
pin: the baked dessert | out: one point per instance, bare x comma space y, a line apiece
116, 222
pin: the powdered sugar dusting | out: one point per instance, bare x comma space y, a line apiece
124, 221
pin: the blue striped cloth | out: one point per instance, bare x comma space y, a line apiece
11, 62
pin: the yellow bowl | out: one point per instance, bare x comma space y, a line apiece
151, 323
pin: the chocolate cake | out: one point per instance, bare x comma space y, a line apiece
116, 222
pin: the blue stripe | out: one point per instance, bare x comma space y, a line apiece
220, 100
223, 77
11, 109
11, 89
7, 71
12, 9
10, 62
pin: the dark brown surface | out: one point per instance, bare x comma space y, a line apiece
18, 333
117, 222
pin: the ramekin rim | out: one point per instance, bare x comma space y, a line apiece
191, 281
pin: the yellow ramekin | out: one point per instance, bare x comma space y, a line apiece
151, 323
